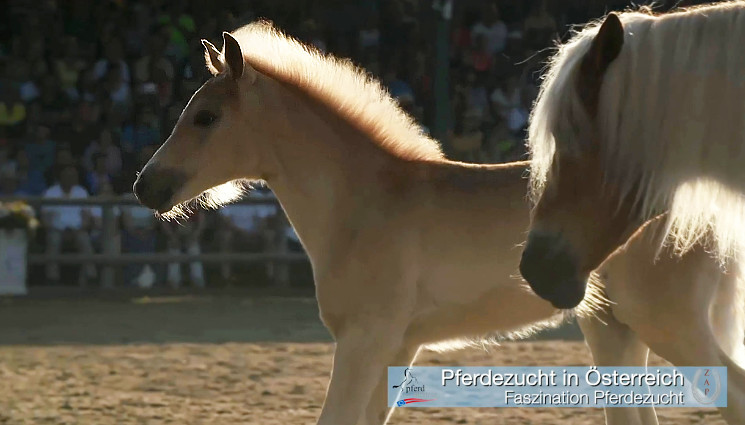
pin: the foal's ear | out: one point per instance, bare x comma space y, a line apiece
212, 58
234, 58
607, 44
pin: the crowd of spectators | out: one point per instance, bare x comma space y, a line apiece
89, 88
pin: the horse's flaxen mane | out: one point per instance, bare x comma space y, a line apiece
339, 84
671, 110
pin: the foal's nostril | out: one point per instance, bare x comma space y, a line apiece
155, 187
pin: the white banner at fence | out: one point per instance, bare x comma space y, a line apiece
13, 248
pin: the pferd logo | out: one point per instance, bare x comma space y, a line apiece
410, 386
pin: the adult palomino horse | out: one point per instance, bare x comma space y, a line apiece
638, 115
407, 248
666, 305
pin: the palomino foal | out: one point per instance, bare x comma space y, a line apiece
407, 248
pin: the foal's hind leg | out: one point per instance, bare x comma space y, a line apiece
615, 344
377, 411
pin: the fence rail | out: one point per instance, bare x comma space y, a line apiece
112, 257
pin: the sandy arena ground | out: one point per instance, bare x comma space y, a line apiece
220, 360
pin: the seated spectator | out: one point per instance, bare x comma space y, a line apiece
369, 35
482, 61
105, 146
12, 111
477, 100
184, 236
68, 68
27, 88
156, 59
139, 227
99, 176
113, 60
311, 34
78, 133
193, 73
54, 106
398, 87
31, 181
9, 185
67, 222
87, 87
507, 97
143, 131
246, 227
35, 48
491, 28
178, 24
116, 90
41, 150
63, 159
8, 165
539, 26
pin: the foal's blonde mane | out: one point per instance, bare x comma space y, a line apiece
659, 122
345, 88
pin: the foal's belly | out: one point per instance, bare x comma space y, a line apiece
472, 287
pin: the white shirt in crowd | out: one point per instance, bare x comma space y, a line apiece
247, 216
65, 216
140, 217
495, 35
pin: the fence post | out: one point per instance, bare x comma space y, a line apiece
108, 242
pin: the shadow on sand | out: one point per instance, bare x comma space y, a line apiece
133, 317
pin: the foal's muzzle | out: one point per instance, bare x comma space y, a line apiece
552, 271
156, 186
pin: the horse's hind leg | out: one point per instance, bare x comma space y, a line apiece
615, 344
377, 411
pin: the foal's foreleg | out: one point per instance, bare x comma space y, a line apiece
362, 352
615, 344
377, 411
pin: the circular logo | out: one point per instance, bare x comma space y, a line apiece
701, 394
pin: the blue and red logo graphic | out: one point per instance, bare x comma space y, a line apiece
411, 400
410, 385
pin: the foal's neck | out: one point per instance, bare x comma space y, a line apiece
326, 169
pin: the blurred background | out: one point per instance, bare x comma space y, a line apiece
131, 319
89, 89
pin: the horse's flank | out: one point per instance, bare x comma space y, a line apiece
670, 121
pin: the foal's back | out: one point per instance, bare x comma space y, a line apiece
467, 223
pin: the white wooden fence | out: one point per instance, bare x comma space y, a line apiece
111, 255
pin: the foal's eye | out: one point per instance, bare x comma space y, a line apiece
204, 118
